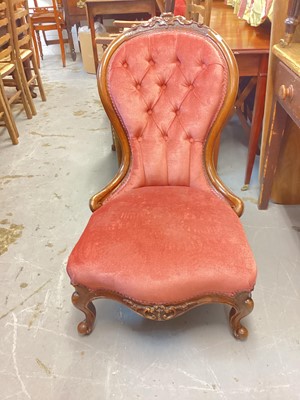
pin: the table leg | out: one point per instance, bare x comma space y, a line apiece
272, 155
257, 118
71, 41
90, 17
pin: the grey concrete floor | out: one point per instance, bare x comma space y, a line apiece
65, 156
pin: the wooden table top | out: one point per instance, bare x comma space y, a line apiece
239, 35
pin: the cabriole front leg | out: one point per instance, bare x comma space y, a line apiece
242, 307
81, 299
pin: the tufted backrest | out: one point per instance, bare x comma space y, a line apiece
166, 87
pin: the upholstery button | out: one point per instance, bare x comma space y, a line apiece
138, 86
191, 140
163, 86
165, 136
151, 62
191, 86
149, 111
139, 138
125, 65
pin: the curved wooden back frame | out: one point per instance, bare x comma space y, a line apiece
168, 21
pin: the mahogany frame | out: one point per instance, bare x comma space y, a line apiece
241, 303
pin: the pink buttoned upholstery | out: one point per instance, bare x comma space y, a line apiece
166, 80
165, 235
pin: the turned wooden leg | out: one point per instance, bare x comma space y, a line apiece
81, 299
244, 305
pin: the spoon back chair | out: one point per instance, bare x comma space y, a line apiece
165, 236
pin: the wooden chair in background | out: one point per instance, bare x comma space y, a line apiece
11, 88
199, 10
50, 19
25, 55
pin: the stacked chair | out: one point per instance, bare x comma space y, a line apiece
19, 72
50, 18
9, 75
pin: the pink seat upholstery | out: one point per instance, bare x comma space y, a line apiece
164, 245
165, 234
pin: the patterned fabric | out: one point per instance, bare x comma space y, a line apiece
255, 12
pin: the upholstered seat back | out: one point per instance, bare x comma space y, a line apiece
167, 87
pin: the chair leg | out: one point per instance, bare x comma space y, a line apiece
81, 299
38, 77
7, 116
244, 305
71, 43
35, 45
25, 84
62, 45
24, 96
38, 37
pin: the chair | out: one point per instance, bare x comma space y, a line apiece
165, 236
11, 88
50, 19
25, 55
197, 10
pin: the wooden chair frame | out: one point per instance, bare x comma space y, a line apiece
10, 74
6, 115
241, 304
199, 10
50, 18
24, 50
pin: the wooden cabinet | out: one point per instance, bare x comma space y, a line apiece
285, 188
287, 91
286, 104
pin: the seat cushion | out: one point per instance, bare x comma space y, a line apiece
163, 245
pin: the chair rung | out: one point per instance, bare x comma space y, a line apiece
104, 39
14, 97
20, 14
24, 40
3, 22
23, 28
4, 39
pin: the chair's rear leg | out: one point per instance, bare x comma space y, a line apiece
244, 305
82, 300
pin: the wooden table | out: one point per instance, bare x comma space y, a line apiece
75, 12
111, 7
286, 102
250, 46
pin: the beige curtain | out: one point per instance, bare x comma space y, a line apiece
255, 12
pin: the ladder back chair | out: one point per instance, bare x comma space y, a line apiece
12, 89
50, 18
165, 236
25, 54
